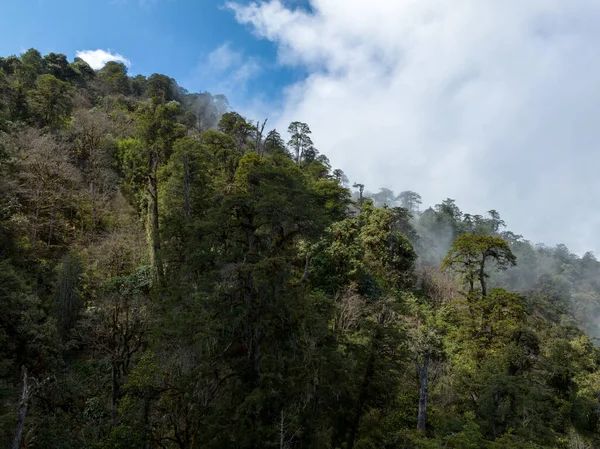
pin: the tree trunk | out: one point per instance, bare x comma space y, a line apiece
22, 412
51, 230
94, 208
147, 430
186, 189
281, 433
482, 280
306, 268
153, 231
252, 334
423, 372
114, 392
36, 216
259, 139
362, 396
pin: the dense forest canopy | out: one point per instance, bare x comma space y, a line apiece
175, 275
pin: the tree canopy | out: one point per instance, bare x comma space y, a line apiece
176, 275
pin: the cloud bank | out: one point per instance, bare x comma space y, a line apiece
492, 103
98, 58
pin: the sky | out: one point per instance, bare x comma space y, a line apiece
492, 103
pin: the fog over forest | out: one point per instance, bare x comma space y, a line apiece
490, 104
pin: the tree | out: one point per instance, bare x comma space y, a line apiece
495, 221
185, 198
33, 59
333, 197
114, 76
274, 144
361, 189
4, 102
208, 109
116, 327
410, 200
236, 126
159, 130
83, 69
91, 133
161, 89
22, 411
32, 66
258, 136
138, 85
365, 262
56, 64
68, 293
300, 140
385, 197
340, 177
470, 253
426, 344
51, 101
48, 181
253, 230
449, 208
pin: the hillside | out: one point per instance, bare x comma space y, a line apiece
174, 275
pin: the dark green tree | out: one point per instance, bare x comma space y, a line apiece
470, 253
114, 76
51, 101
300, 141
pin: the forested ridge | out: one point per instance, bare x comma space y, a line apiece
174, 275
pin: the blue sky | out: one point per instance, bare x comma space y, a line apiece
492, 103
174, 37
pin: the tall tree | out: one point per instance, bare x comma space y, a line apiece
361, 189
158, 131
51, 101
236, 126
114, 76
410, 200
470, 253
56, 64
300, 140
385, 197
161, 89
274, 143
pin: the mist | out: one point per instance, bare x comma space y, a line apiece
557, 284
484, 102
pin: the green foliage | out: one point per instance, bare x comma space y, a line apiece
50, 102
300, 142
160, 88
114, 77
172, 277
83, 70
132, 161
58, 66
469, 254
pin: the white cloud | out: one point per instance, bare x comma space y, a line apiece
98, 58
223, 58
229, 69
493, 103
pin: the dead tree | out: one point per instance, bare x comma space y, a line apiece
423, 372
25, 395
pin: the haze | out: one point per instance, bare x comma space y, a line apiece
491, 103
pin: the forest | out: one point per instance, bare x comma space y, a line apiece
175, 275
